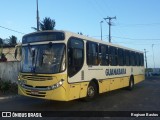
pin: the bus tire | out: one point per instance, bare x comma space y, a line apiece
131, 83
91, 92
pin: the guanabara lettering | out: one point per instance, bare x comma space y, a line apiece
120, 71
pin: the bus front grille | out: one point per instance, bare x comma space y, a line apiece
35, 93
36, 77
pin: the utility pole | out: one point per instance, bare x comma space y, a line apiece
153, 55
110, 24
145, 57
146, 60
101, 28
37, 17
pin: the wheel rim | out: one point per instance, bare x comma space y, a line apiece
91, 91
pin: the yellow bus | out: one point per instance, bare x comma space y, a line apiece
63, 66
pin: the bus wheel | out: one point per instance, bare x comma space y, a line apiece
131, 84
91, 92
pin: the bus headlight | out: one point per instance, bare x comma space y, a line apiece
60, 83
22, 82
19, 77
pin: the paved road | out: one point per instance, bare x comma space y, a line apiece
144, 97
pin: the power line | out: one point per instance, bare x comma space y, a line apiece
100, 7
106, 4
12, 30
94, 7
128, 43
135, 38
137, 24
145, 39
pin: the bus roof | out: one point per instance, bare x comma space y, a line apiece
68, 33
98, 41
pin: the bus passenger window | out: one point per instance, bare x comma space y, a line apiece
127, 53
113, 57
120, 57
141, 59
103, 52
132, 58
92, 53
124, 57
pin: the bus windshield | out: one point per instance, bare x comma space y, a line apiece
48, 58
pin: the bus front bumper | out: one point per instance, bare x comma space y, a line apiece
58, 94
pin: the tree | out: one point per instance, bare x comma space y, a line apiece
47, 24
1, 47
1, 41
3, 58
12, 40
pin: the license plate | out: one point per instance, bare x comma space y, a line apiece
34, 92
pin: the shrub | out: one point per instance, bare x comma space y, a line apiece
7, 86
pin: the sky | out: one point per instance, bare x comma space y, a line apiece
137, 23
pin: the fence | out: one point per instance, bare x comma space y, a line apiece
9, 71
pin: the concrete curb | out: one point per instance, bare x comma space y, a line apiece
8, 97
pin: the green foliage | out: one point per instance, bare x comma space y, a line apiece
12, 40
47, 24
7, 86
4, 85
1, 41
1, 47
34, 28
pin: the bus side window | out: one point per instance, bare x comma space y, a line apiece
75, 56
128, 58
116, 57
137, 59
113, 56
110, 55
92, 53
141, 59
103, 52
139, 55
131, 58
124, 57
120, 57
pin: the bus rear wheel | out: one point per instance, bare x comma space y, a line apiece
91, 92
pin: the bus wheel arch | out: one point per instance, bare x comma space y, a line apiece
131, 83
96, 83
92, 90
